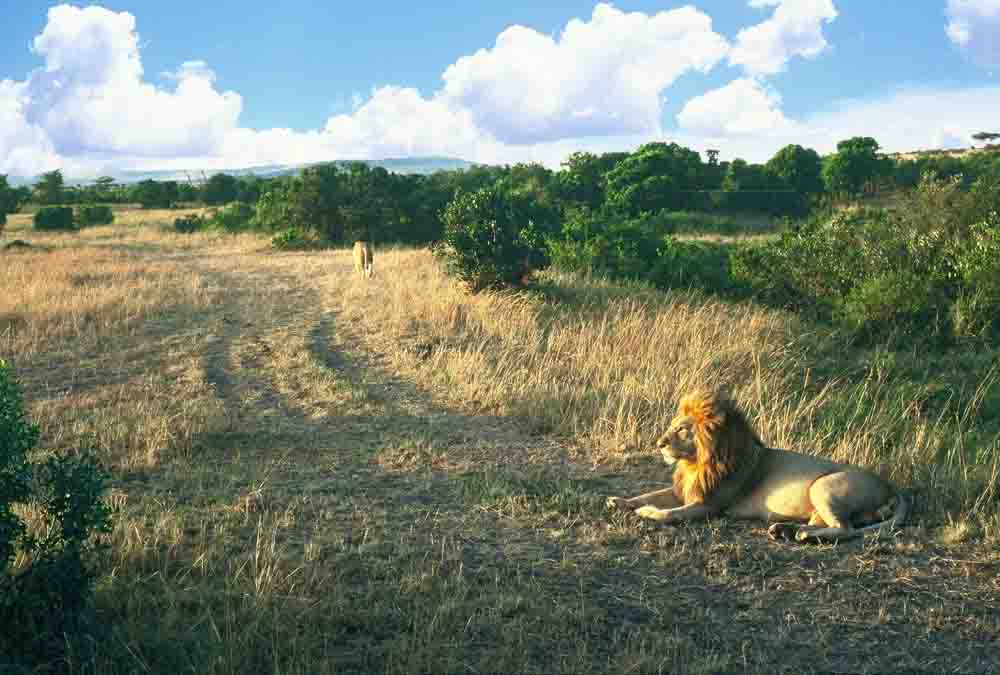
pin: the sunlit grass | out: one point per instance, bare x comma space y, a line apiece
314, 473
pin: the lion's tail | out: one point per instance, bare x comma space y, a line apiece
902, 508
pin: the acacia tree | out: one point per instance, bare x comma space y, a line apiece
653, 178
581, 180
51, 188
220, 189
855, 163
368, 207
316, 199
741, 175
8, 200
273, 210
152, 194
799, 168
985, 136
104, 189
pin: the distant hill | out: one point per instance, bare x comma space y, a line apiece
408, 165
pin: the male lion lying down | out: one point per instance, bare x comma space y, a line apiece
724, 468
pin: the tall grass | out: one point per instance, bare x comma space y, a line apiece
605, 366
316, 473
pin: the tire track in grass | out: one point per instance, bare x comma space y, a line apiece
237, 361
319, 345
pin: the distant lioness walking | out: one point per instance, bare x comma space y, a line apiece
364, 257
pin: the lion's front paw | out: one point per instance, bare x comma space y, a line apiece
653, 513
783, 531
807, 535
618, 504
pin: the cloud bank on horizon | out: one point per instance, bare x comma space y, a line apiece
599, 85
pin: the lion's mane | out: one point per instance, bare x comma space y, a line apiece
727, 447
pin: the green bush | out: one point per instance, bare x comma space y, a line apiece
700, 222
897, 301
977, 263
54, 218
292, 239
235, 217
42, 604
273, 210
811, 266
9, 201
930, 266
189, 224
609, 243
17, 437
153, 194
774, 202
494, 237
694, 264
95, 214
641, 248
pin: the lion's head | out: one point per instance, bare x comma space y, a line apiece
707, 440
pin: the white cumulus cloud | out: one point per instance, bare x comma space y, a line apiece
974, 25
25, 149
90, 97
599, 77
794, 29
399, 121
744, 106
523, 98
393, 122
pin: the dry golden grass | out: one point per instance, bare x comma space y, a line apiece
77, 295
316, 473
605, 369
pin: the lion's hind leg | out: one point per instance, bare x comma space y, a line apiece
838, 499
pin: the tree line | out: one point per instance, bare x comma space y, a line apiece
340, 202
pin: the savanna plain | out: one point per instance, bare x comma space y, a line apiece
316, 473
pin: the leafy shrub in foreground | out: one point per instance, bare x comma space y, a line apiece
42, 603
54, 218
494, 237
95, 214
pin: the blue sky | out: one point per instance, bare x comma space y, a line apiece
152, 84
